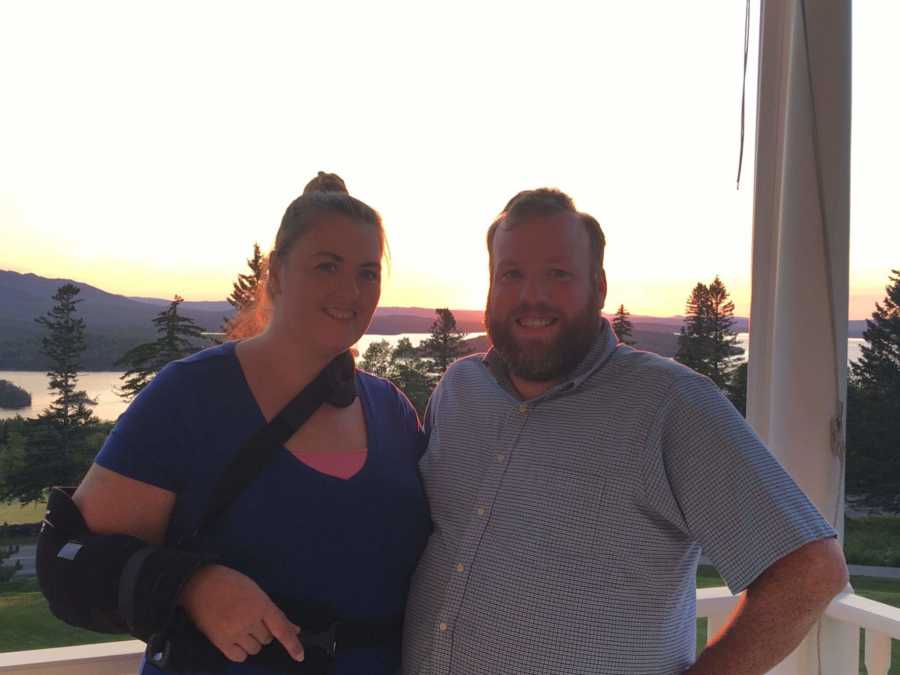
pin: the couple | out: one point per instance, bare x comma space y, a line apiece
550, 518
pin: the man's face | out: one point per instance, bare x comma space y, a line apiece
544, 301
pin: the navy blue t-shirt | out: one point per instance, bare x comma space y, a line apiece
351, 544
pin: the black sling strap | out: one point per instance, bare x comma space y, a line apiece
336, 384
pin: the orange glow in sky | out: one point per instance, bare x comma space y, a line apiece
146, 148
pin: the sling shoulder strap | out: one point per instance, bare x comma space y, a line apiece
336, 384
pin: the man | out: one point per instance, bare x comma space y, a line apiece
573, 482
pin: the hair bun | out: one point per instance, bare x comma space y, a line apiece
326, 182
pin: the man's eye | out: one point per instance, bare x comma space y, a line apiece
370, 275
327, 267
511, 275
560, 274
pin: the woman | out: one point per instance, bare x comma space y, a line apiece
338, 518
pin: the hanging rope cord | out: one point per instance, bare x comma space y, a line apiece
838, 447
744, 93
837, 431
837, 423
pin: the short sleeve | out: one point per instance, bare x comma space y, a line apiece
148, 438
713, 478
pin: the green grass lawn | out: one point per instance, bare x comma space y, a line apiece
26, 622
16, 513
874, 540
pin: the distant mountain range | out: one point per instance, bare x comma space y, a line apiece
115, 323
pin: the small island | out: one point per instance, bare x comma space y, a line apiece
13, 397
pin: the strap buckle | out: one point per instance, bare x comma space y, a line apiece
325, 640
159, 650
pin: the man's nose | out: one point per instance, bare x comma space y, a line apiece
533, 291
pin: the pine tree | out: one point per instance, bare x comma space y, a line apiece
49, 459
622, 326
446, 342
878, 368
707, 341
723, 349
178, 337
377, 359
873, 408
404, 366
12, 450
244, 290
56, 442
736, 391
63, 345
412, 373
31, 460
692, 340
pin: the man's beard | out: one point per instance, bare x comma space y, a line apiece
539, 361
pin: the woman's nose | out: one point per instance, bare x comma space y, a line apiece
348, 287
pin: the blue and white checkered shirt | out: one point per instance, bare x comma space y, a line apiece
567, 528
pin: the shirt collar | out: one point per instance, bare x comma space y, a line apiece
601, 350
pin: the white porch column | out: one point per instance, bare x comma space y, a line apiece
798, 334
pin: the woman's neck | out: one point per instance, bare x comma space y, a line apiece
277, 367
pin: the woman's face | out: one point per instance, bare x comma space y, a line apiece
326, 288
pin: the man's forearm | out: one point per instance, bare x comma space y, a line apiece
777, 612
755, 640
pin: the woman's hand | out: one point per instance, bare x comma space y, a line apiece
236, 615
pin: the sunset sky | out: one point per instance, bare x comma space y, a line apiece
145, 147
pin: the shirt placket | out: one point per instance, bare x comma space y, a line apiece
478, 519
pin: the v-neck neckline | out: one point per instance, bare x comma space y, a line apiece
365, 409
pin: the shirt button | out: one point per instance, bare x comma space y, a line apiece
523, 409
501, 457
443, 627
460, 567
481, 511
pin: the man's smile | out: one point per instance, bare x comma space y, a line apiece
535, 324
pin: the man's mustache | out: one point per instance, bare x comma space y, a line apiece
526, 309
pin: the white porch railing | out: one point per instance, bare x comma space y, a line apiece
107, 658
846, 615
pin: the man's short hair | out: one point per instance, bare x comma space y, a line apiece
544, 202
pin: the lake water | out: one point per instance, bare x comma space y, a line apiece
102, 386
853, 346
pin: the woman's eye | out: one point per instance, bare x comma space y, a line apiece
371, 275
327, 267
